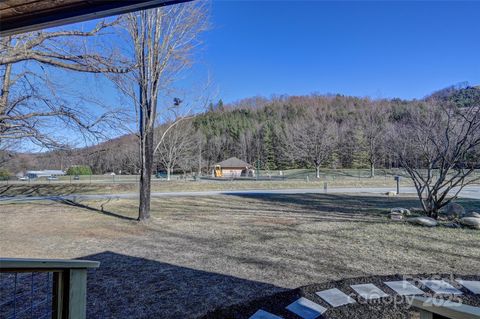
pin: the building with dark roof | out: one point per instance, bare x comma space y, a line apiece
233, 167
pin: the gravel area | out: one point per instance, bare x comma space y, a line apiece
392, 307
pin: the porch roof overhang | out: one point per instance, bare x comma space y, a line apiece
19, 16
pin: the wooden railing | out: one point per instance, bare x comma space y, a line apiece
66, 291
438, 308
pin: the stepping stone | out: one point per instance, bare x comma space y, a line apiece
473, 286
404, 288
335, 297
441, 287
306, 309
369, 291
262, 314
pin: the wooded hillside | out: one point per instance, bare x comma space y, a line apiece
278, 133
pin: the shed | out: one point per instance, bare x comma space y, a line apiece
44, 173
233, 167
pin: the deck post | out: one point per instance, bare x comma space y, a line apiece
426, 314
77, 294
58, 295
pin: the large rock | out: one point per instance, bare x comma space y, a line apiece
454, 210
472, 222
423, 221
472, 214
400, 210
396, 216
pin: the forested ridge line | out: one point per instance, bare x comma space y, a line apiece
281, 132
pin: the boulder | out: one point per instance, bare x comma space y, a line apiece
471, 222
454, 210
396, 216
423, 221
472, 214
400, 210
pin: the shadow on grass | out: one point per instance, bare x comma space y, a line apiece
132, 287
5, 189
100, 211
30, 190
351, 205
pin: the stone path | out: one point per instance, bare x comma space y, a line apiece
369, 291
404, 288
261, 314
307, 309
473, 286
335, 297
441, 287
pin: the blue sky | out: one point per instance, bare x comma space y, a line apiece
381, 49
376, 49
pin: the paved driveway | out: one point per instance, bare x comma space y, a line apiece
472, 192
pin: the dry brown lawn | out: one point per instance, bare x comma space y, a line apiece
198, 253
41, 188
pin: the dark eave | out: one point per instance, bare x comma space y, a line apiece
18, 16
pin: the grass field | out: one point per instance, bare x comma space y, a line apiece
296, 178
199, 253
57, 188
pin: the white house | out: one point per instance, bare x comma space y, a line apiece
44, 173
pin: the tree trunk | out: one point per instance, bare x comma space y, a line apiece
432, 213
317, 171
199, 158
4, 93
372, 170
431, 208
146, 160
145, 176
168, 173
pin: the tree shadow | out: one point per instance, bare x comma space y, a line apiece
132, 287
348, 205
324, 206
31, 190
5, 189
73, 203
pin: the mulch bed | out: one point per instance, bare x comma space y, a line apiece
388, 308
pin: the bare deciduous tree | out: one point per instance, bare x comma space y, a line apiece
438, 147
373, 122
162, 41
176, 145
313, 140
30, 102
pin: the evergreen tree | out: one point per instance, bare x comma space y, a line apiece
268, 148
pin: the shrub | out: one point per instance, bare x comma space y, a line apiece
79, 170
4, 174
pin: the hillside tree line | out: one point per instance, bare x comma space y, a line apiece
280, 133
